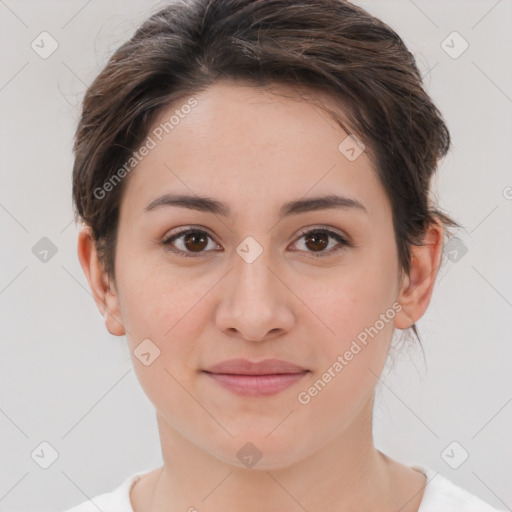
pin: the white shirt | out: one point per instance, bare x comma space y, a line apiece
440, 495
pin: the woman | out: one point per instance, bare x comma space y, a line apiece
253, 178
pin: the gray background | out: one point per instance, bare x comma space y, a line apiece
67, 381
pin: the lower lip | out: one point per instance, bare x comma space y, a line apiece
256, 385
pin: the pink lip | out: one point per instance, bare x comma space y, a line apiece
261, 378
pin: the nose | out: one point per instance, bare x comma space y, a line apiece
255, 304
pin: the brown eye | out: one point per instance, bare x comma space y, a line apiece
190, 242
195, 241
315, 241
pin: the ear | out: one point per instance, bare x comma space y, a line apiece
417, 287
103, 290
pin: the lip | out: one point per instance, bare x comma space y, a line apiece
262, 378
245, 367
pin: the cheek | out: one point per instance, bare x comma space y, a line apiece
361, 316
169, 309
166, 309
158, 302
349, 301
356, 303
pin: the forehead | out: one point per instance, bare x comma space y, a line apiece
246, 145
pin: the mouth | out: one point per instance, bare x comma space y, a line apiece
264, 378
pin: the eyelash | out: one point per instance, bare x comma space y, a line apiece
184, 231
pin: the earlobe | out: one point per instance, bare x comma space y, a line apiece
102, 289
417, 287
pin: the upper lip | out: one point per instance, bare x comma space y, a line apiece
246, 367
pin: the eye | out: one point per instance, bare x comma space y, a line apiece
190, 241
193, 242
317, 242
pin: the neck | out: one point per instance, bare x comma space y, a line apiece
346, 473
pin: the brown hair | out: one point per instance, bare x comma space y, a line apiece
328, 46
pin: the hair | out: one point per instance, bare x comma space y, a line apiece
328, 47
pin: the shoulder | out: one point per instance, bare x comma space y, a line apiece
442, 495
117, 500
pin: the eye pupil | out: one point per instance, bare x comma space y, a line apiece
193, 238
318, 239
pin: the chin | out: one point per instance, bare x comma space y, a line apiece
259, 452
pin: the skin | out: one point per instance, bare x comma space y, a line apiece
255, 150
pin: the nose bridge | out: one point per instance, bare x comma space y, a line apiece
254, 301
253, 281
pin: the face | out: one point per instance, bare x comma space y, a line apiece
314, 284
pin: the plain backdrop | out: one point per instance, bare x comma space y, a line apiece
67, 383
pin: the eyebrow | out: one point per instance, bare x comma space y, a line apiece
209, 205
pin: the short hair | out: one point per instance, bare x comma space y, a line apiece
327, 46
